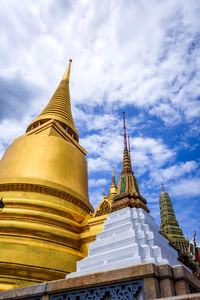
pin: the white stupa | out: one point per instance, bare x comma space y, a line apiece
130, 235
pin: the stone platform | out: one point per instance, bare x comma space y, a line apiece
158, 281
130, 236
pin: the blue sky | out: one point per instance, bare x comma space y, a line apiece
141, 57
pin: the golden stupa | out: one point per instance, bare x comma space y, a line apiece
44, 186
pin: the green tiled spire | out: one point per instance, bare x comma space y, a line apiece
171, 230
169, 225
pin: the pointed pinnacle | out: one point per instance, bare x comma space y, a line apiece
113, 188
113, 179
129, 147
59, 107
126, 157
67, 72
163, 187
125, 141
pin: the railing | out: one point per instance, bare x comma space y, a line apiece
130, 290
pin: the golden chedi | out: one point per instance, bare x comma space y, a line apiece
44, 187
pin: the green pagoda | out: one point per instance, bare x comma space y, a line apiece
170, 229
169, 225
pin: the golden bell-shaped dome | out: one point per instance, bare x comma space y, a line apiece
44, 186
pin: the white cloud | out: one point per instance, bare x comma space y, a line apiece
93, 121
149, 153
105, 150
97, 182
175, 171
10, 129
96, 197
115, 58
186, 187
166, 112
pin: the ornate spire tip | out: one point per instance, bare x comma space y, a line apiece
113, 178
125, 142
124, 119
67, 73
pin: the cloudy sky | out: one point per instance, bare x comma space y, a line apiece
137, 56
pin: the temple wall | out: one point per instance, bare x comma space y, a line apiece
144, 281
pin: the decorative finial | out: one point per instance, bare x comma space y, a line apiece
1, 203
163, 187
67, 73
125, 142
113, 188
104, 193
113, 178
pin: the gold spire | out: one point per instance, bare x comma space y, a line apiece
59, 107
113, 188
67, 72
126, 158
113, 178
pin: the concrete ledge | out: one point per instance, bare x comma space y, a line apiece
28, 291
100, 278
159, 281
180, 273
165, 271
